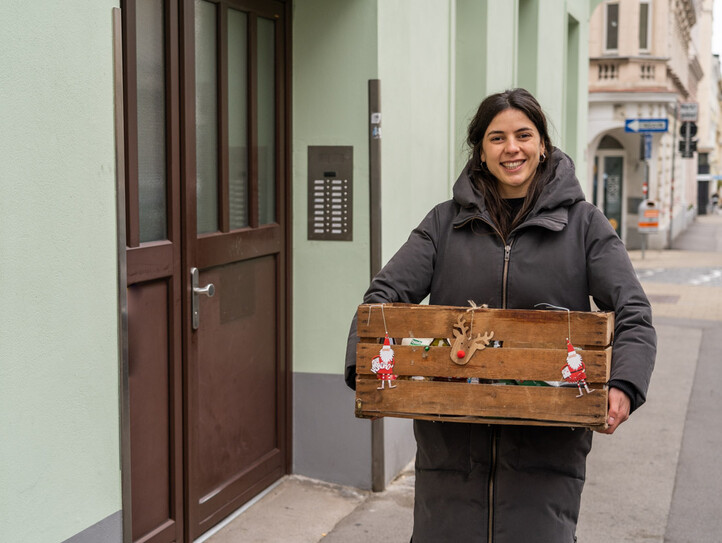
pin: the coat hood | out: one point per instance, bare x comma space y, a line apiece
561, 191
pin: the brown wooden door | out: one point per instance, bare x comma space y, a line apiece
155, 279
236, 237
206, 143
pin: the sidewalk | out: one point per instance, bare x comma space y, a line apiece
657, 479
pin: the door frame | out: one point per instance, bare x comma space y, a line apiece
184, 134
120, 208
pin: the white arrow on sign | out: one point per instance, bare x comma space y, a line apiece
646, 125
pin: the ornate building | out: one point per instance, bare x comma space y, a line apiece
646, 60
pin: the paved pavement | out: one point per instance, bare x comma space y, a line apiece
657, 479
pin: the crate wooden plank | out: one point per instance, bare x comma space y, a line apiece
516, 328
482, 403
504, 363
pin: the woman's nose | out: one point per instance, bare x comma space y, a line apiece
511, 145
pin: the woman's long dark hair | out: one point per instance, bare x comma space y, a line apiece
500, 212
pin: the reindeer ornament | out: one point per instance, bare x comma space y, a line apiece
465, 345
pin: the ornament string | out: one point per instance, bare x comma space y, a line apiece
569, 316
383, 316
473, 309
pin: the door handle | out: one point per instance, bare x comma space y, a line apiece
209, 290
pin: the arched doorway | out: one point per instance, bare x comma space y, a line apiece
608, 182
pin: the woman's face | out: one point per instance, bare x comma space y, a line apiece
512, 148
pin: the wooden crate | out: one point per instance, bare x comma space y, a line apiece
533, 348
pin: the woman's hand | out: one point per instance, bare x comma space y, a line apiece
619, 406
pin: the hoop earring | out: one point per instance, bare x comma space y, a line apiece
543, 158
484, 166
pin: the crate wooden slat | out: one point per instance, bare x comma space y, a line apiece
533, 349
518, 328
525, 364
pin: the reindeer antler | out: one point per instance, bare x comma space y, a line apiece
485, 339
462, 328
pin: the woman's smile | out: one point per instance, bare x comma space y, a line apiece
511, 151
512, 165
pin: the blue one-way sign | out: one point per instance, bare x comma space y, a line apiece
646, 125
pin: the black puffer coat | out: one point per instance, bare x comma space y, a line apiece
513, 484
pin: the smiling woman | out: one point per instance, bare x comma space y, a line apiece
518, 232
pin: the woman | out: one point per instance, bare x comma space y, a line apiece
517, 233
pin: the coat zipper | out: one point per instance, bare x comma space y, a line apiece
492, 476
495, 430
507, 253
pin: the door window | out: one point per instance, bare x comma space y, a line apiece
206, 117
266, 122
151, 120
236, 118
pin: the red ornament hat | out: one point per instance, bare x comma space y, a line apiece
570, 347
387, 343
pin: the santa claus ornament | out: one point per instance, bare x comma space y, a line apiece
383, 365
574, 370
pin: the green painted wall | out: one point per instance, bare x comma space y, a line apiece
525, 43
469, 54
59, 413
416, 71
436, 61
551, 50
579, 12
528, 37
334, 56
485, 60
562, 66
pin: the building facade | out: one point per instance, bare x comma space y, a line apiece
648, 61
155, 148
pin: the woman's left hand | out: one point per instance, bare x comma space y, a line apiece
619, 406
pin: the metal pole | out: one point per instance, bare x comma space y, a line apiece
671, 188
378, 453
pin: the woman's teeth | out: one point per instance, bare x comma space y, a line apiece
513, 165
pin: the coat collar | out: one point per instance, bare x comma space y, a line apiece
551, 210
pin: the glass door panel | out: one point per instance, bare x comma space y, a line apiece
206, 60
266, 122
237, 118
151, 119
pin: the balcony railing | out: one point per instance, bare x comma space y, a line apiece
627, 73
